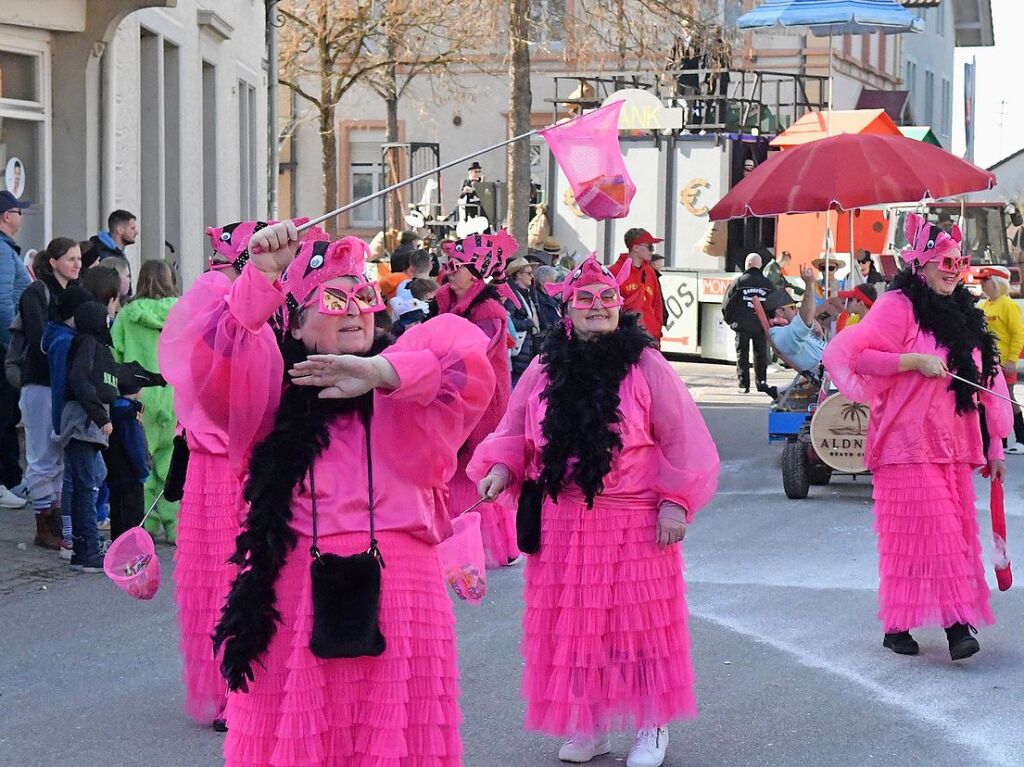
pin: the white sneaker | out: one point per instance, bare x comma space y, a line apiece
9, 500
104, 526
648, 748
1013, 448
580, 750
66, 551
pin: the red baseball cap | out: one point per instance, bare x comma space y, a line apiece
866, 294
640, 237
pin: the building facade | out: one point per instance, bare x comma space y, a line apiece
157, 107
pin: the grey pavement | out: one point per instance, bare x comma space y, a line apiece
790, 668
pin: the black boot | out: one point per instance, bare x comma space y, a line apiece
901, 643
961, 643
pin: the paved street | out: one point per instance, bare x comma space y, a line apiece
790, 668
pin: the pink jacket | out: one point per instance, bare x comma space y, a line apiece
446, 382
667, 452
490, 316
913, 418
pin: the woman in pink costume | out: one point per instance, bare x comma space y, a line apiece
924, 438
474, 274
422, 396
209, 519
625, 460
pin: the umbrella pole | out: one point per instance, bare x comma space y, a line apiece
853, 261
828, 114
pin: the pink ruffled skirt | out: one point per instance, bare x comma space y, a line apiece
605, 634
397, 710
930, 564
207, 527
497, 521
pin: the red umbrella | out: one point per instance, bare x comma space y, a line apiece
852, 170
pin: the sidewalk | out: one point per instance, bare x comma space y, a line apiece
24, 567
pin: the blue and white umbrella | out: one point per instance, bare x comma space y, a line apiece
833, 17
828, 17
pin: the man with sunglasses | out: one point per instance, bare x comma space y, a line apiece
14, 278
641, 290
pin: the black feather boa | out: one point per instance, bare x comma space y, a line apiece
582, 395
278, 465
960, 327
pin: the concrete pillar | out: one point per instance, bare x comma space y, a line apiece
77, 193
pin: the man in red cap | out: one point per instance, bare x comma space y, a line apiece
858, 302
641, 291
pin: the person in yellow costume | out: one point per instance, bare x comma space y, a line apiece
1006, 323
135, 335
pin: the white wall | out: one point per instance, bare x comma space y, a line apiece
239, 56
932, 50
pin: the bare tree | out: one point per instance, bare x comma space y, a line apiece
326, 50
520, 105
422, 37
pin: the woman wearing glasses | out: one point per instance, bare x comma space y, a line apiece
474, 265
354, 450
924, 438
624, 460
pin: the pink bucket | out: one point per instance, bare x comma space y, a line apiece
587, 150
462, 558
131, 562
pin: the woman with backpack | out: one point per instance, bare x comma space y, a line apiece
55, 268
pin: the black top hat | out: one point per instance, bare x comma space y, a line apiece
475, 166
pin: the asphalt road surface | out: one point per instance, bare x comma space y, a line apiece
787, 649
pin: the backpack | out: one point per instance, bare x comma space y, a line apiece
17, 352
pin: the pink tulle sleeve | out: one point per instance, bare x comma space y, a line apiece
998, 417
507, 444
688, 466
863, 360
443, 371
222, 358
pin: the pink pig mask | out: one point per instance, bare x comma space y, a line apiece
486, 256
319, 261
928, 243
590, 272
231, 242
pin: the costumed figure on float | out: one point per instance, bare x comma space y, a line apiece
211, 510
610, 460
347, 467
474, 286
925, 438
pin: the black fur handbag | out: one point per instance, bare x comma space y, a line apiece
174, 482
346, 590
531, 498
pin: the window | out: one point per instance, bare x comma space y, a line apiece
910, 77
210, 169
24, 125
940, 18
367, 178
928, 116
19, 76
247, 148
946, 119
547, 22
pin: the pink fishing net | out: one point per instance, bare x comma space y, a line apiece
131, 562
587, 151
462, 558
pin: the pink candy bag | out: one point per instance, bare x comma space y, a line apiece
131, 562
587, 151
462, 558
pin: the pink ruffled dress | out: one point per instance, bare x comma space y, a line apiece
497, 520
605, 635
211, 509
400, 709
922, 455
